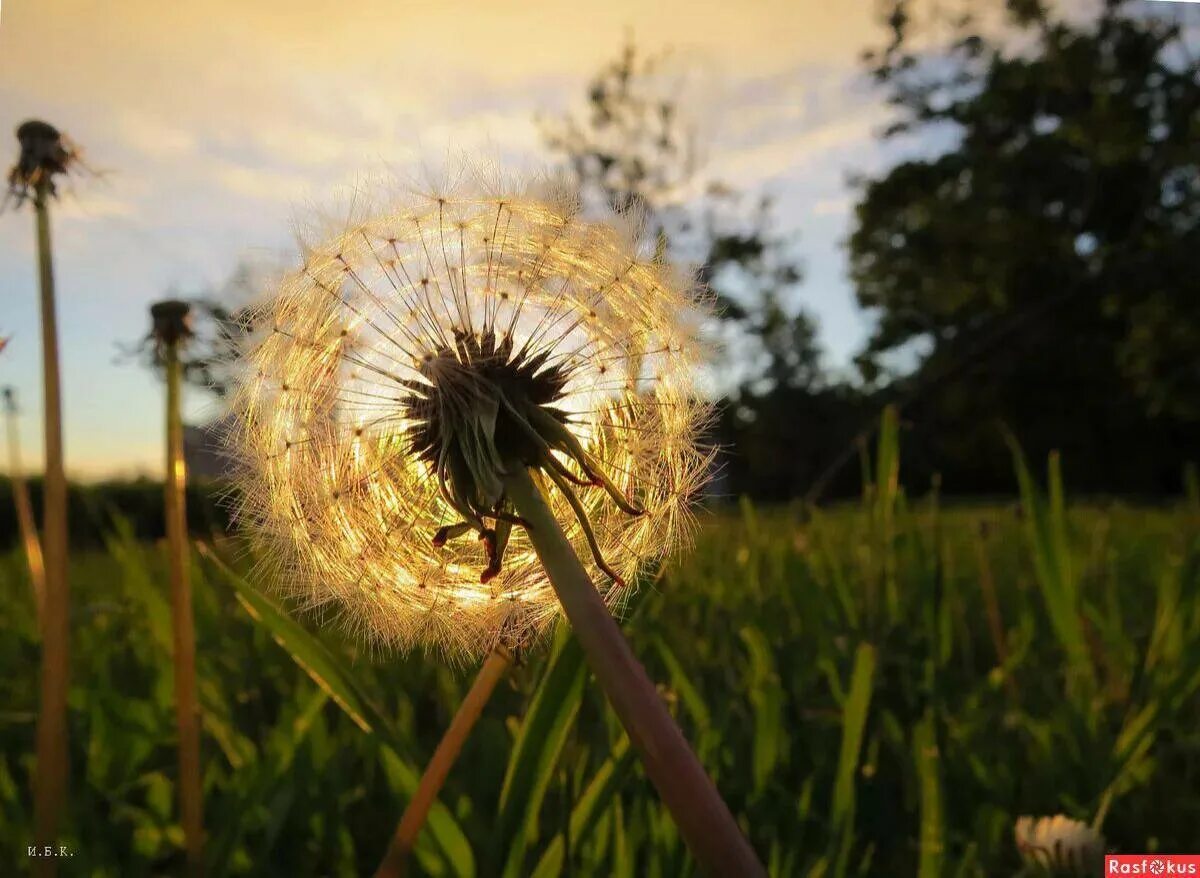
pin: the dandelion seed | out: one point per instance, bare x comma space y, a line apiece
427, 352
1060, 845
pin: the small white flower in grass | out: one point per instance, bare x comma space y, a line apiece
1060, 845
419, 355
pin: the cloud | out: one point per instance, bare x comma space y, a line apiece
832, 206
262, 183
92, 208
834, 143
154, 137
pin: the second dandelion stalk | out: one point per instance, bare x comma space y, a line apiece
495, 666
170, 331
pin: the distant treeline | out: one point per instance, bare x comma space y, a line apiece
801, 443
776, 458
93, 508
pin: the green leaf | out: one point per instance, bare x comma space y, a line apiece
854, 720
269, 780
766, 697
706, 737
140, 584
442, 836
592, 805
887, 463
335, 680
313, 656
1047, 533
535, 753
622, 854
927, 759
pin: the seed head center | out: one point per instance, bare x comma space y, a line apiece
484, 409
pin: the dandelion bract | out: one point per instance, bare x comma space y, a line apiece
418, 353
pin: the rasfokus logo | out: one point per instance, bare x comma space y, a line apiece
1152, 864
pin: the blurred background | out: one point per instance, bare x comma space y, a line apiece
954, 246
885, 214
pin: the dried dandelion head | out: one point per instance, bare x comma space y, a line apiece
170, 322
45, 154
1059, 845
420, 355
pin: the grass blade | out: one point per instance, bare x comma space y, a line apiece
443, 840
854, 721
535, 752
926, 757
325, 669
592, 805
766, 697
332, 676
1046, 529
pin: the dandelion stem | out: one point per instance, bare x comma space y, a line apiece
495, 666
186, 710
703, 819
50, 781
29, 535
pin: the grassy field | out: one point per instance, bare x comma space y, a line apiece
879, 689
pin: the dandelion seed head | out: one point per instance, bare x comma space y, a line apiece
420, 353
45, 154
171, 321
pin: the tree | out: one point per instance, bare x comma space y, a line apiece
634, 151
1048, 258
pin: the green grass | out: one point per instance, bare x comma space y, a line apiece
836, 673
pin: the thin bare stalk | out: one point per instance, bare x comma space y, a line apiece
50, 779
495, 666
704, 820
991, 605
187, 713
25, 521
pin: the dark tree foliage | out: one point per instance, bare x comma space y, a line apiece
1049, 260
630, 148
633, 150
96, 510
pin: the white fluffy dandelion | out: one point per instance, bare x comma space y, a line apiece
420, 355
1059, 844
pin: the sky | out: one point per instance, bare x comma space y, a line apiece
219, 126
